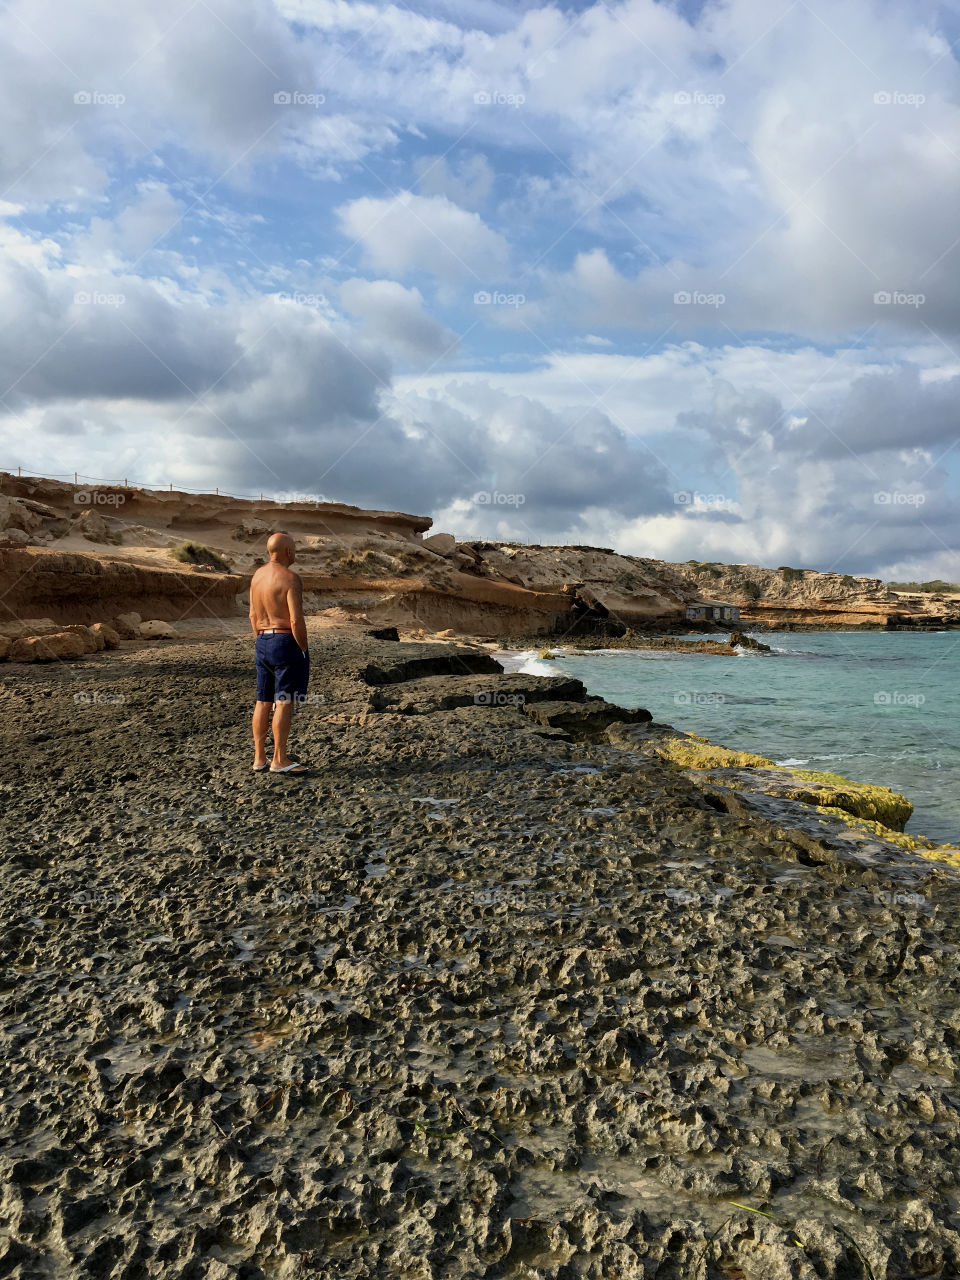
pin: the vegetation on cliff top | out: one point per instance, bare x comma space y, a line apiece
197, 553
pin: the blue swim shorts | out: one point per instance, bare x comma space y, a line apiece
283, 669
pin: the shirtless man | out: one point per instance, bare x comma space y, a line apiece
283, 662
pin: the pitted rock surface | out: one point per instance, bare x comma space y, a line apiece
465, 1001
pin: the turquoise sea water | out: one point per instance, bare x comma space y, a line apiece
874, 706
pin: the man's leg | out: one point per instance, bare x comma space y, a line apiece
261, 722
282, 715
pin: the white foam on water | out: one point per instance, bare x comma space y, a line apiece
532, 665
790, 762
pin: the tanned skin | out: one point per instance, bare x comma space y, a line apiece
276, 600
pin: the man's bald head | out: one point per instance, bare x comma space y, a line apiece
280, 546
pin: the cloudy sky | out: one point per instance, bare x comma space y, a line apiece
681, 278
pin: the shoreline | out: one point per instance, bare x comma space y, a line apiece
865, 799
662, 639
496, 986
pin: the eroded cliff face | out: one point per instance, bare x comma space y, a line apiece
73, 553
88, 587
630, 589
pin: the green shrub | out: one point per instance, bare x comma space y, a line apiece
197, 553
752, 590
790, 575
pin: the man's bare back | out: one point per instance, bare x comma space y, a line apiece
276, 593
276, 601
283, 662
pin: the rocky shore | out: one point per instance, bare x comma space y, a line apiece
501, 988
728, 648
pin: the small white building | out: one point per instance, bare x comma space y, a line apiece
713, 611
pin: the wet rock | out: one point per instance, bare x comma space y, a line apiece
440, 693
740, 640
414, 661
590, 718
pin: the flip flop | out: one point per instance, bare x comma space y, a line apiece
260, 768
292, 767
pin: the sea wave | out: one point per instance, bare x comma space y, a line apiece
526, 662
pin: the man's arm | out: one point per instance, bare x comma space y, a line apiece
253, 610
295, 605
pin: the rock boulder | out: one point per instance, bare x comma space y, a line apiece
444, 544
111, 639
91, 643
127, 626
15, 628
93, 526
156, 629
251, 527
59, 645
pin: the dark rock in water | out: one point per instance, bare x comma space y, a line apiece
384, 633
590, 718
740, 640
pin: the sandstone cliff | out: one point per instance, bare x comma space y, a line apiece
75, 554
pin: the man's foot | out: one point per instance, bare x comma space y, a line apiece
259, 766
291, 766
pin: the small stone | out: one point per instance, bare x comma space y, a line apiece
127, 625
925, 1108
155, 629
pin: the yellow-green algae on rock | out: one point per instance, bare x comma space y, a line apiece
911, 844
862, 799
881, 811
694, 752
